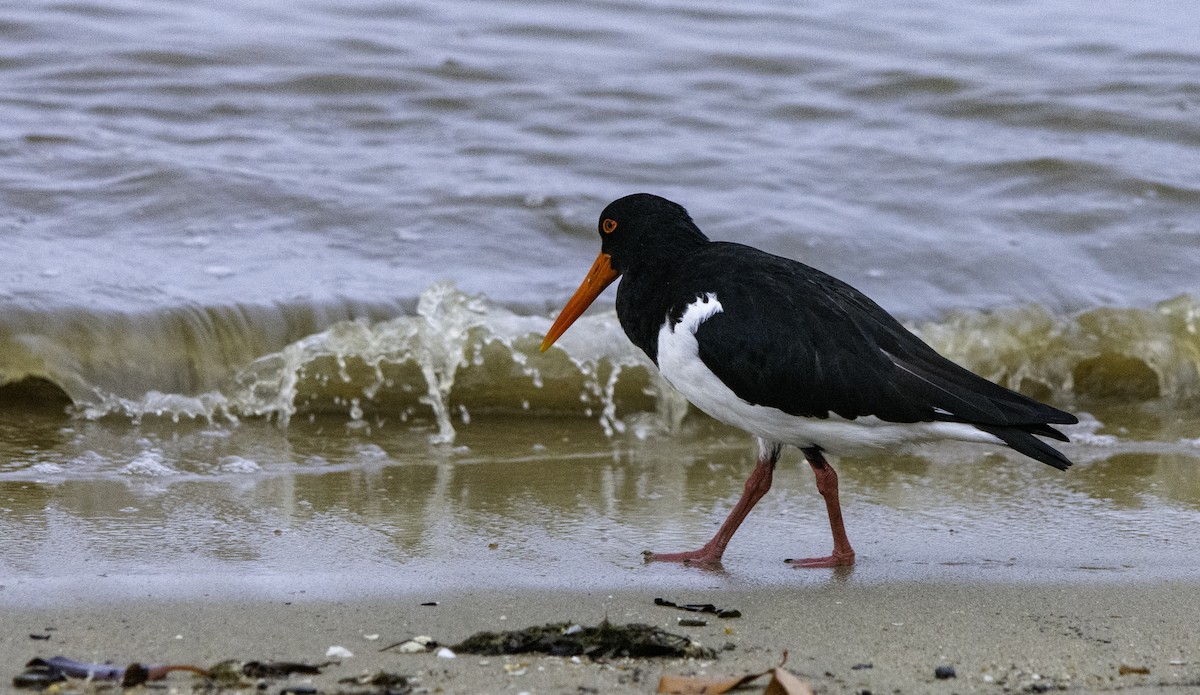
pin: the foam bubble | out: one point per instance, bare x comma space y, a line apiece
148, 464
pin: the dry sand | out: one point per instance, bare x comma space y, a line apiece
841, 636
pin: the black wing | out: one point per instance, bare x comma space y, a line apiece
796, 339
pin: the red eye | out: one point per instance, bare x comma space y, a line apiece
609, 226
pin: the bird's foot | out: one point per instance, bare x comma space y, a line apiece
835, 560
704, 557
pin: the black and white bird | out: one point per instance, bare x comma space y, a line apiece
791, 355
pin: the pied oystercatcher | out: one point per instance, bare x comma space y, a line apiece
791, 355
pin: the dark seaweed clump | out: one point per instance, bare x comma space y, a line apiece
602, 641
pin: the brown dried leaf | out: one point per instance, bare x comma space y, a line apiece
1126, 669
784, 683
702, 685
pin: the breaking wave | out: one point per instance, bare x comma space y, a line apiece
456, 355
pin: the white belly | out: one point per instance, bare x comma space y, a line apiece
679, 361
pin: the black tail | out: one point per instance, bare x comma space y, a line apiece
1022, 441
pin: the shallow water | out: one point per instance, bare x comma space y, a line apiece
283, 267
320, 510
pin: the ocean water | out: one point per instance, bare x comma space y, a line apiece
259, 259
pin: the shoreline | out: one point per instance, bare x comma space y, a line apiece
841, 637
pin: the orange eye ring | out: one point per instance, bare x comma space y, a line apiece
609, 225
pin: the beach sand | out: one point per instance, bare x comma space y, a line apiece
840, 636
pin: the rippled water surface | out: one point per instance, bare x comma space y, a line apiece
320, 511
273, 274
240, 153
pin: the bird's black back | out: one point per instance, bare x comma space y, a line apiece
794, 338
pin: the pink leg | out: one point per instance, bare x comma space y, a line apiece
756, 486
827, 485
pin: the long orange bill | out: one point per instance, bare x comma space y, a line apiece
600, 276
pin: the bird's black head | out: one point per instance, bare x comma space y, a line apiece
645, 228
639, 231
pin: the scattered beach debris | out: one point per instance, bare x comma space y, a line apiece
229, 674
387, 683
570, 639
338, 652
276, 669
783, 682
692, 622
943, 672
415, 645
237, 675
700, 608
40, 673
862, 666
446, 653
1127, 670
1018, 680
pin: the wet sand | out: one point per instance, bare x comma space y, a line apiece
841, 637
